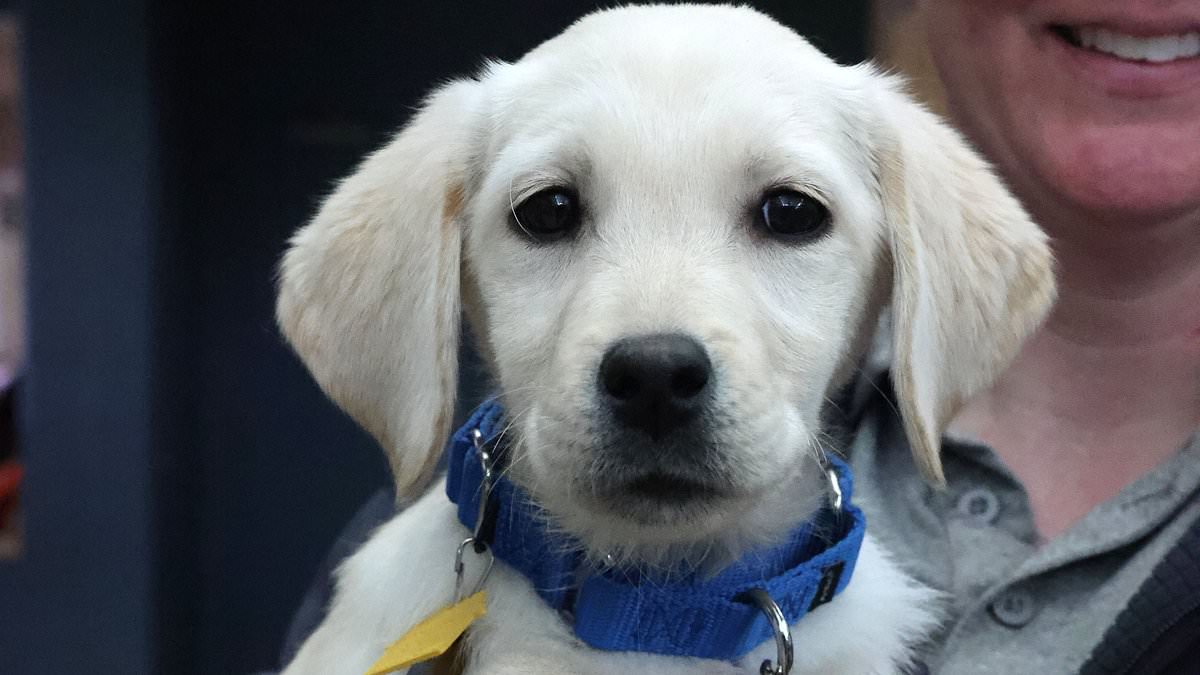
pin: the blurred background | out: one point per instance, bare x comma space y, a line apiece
170, 478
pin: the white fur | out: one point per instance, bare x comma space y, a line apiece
864, 630
670, 122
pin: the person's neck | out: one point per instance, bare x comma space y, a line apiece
1110, 386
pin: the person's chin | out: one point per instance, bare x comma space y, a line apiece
1127, 174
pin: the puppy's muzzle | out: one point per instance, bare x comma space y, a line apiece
655, 384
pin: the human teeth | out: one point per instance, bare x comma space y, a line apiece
1158, 49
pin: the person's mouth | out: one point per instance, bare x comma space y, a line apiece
1153, 49
1131, 59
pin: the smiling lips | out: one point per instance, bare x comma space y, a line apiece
1149, 49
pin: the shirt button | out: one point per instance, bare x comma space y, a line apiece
979, 506
1014, 608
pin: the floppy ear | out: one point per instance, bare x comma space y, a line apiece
369, 290
972, 274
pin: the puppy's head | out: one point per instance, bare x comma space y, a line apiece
673, 229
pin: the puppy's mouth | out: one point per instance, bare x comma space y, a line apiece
656, 498
667, 489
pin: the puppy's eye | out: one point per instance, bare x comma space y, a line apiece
548, 215
793, 216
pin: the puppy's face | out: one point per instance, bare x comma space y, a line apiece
673, 228
674, 251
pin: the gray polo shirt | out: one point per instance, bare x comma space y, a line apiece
1014, 605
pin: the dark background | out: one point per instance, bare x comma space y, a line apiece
184, 476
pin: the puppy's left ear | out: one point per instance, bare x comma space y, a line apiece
369, 290
972, 278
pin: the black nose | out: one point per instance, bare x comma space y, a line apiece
655, 383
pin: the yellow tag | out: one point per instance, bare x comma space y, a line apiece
432, 637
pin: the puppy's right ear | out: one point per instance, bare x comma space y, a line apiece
369, 290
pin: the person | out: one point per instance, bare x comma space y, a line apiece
1067, 539
1077, 474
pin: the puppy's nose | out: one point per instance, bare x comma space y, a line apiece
655, 383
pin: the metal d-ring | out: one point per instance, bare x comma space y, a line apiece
783, 634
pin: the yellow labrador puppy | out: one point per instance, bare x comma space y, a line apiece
673, 229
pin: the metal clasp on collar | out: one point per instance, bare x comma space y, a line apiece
460, 568
488, 463
783, 633
476, 540
835, 488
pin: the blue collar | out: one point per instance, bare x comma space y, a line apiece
694, 615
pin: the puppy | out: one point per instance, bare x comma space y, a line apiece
686, 200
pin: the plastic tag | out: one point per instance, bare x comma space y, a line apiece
432, 637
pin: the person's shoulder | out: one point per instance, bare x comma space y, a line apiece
1158, 632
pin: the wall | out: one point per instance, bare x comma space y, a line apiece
81, 597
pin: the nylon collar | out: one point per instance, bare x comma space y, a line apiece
614, 609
